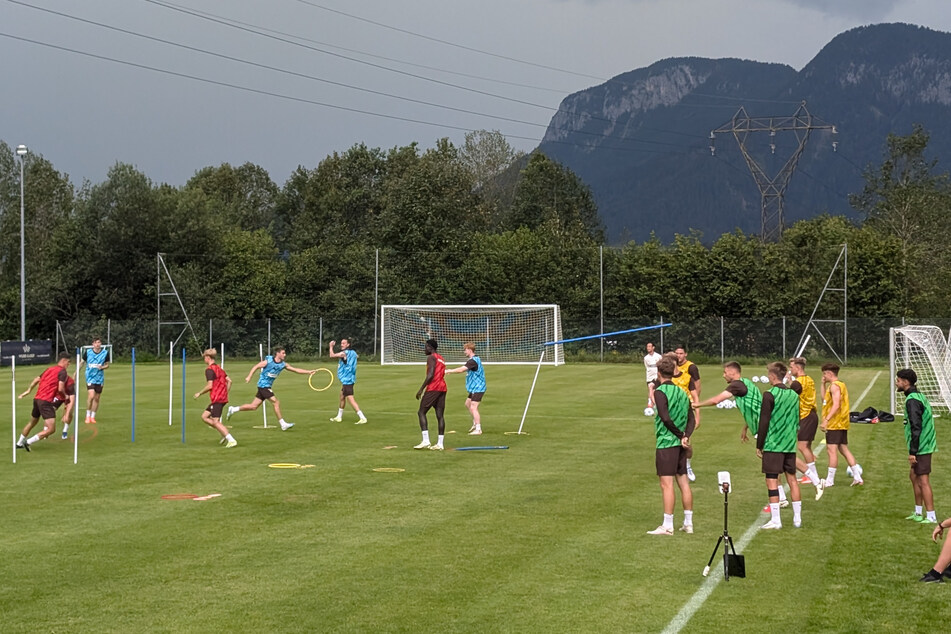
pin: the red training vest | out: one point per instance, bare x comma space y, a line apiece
49, 383
438, 384
219, 387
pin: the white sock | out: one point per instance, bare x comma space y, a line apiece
340, 413
918, 509
857, 471
812, 474
688, 464
782, 493
32, 439
669, 521
426, 436
282, 422
88, 413
23, 438
65, 428
688, 518
831, 476
797, 511
229, 438
231, 410
93, 414
931, 515
774, 512
360, 413
478, 426
440, 437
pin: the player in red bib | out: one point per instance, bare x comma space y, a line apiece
434, 385
68, 397
218, 385
51, 382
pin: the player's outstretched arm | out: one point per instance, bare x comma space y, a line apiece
33, 384
713, 400
289, 367
458, 370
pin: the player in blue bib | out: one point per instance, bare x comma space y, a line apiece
347, 375
270, 368
475, 385
96, 359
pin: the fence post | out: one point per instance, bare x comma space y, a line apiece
376, 298
784, 336
211, 336
320, 339
601, 279
662, 336
269, 335
722, 360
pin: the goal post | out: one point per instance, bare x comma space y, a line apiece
925, 350
513, 334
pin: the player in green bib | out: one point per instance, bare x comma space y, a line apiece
921, 442
776, 443
672, 426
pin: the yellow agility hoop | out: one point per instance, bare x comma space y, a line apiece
389, 470
284, 465
310, 380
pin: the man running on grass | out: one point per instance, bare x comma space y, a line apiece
68, 397
270, 368
347, 375
218, 385
52, 382
96, 359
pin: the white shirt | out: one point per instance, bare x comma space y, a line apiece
650, 363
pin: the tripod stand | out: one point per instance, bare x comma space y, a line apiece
735, 564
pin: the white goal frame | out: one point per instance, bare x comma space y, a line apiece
924, 349
487, 325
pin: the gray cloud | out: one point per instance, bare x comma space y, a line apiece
867, 10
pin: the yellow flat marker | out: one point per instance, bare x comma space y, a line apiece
389, 470
284, 465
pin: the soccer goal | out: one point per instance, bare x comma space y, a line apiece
925, 350
503, 334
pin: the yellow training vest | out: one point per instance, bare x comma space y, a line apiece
841, 418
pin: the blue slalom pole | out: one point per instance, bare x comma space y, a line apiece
606, 334
133, 394
183, 394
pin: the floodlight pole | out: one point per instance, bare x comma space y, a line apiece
772, 189
21, 152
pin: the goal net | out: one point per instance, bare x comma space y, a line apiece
925, 350
503, 334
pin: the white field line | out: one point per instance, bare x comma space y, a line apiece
709, 585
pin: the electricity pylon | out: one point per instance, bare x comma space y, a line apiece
772, 189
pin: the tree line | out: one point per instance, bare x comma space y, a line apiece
476, 224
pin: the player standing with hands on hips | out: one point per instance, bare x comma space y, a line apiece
347, 375
475, 385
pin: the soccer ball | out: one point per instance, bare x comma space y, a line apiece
648, 411
764, 379
755, 379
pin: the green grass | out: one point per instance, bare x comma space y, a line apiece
546, 536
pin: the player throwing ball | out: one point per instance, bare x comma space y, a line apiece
270, 368
475, 385
347, 375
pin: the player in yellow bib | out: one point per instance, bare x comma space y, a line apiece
808, 421
687, 378
835, 424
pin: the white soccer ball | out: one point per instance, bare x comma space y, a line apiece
764, 379
731, 404
648, 411
721, 404
755, 379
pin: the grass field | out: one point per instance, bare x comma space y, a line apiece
547, 536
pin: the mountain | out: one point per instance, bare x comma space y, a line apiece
641, 140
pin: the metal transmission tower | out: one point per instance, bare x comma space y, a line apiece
772, 189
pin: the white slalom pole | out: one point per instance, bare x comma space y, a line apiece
13, 394
803, 346
76, 411
531, 391
222, 355
264, 404
170, 383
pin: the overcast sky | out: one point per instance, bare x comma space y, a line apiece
306, 78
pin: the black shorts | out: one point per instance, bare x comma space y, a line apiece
476, 397
215, 409
837, 437
671, 461
808, 427
923, 466
264, 393
43, 409
432, 399
779, 462
95, 387
346, 389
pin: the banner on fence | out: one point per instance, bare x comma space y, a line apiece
31, 352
